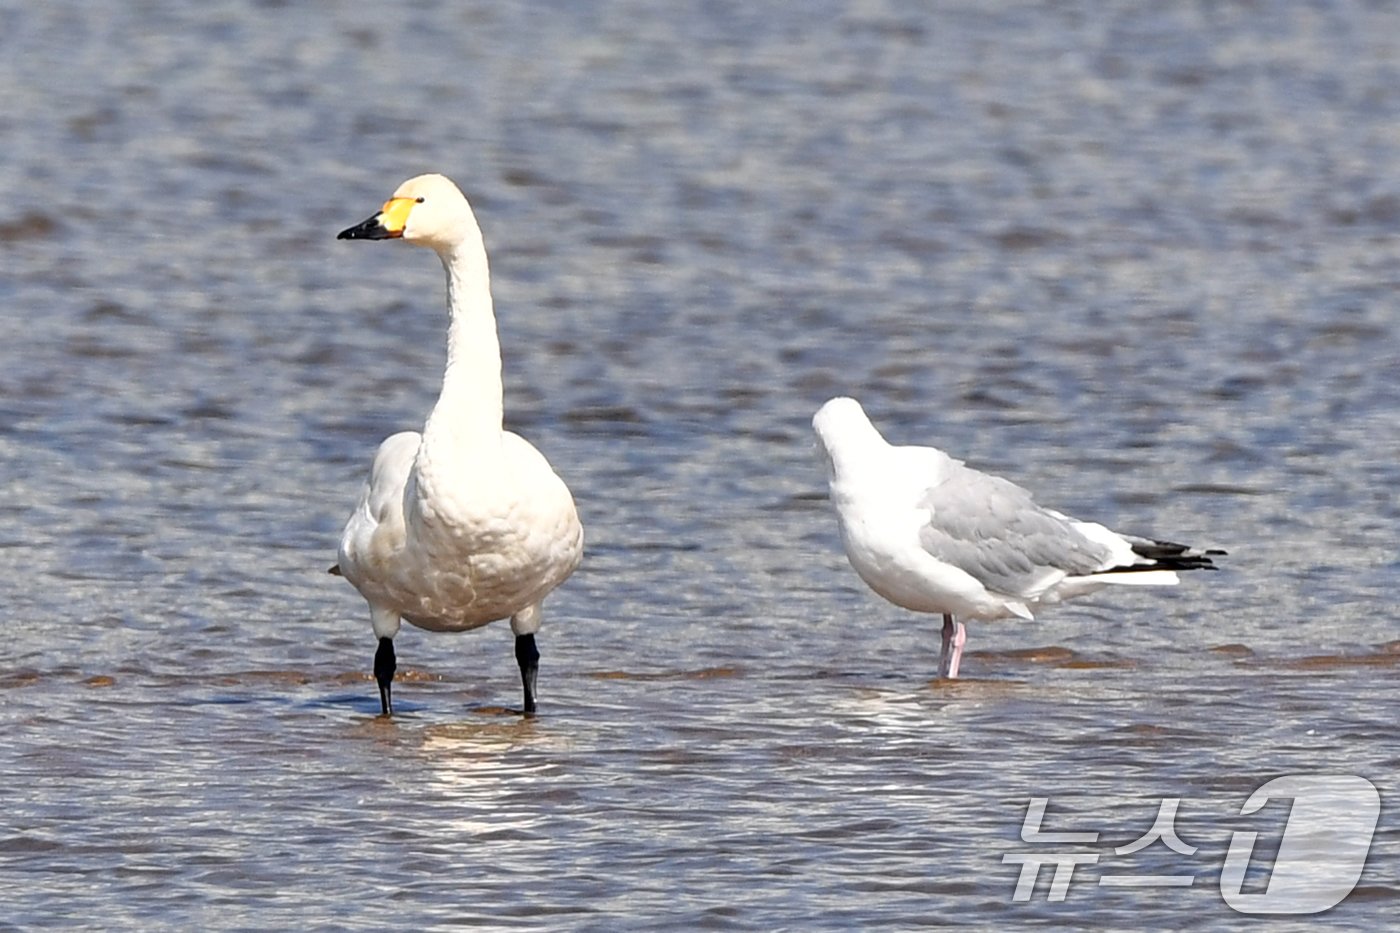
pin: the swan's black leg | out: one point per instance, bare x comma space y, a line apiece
384, 666
528, 657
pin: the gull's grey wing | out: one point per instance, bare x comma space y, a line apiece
992, 529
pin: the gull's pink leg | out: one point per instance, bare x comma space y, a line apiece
954, 637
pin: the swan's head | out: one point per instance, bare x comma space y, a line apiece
428, 210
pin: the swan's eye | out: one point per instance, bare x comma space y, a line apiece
418, 200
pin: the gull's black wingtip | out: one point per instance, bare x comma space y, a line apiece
1168, 555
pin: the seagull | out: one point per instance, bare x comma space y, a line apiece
464, 523
930, 534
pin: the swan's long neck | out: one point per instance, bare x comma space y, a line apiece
468, 413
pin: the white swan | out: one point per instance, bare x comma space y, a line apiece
932, 535
466, 523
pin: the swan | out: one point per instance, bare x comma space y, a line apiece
932, 535
465, 523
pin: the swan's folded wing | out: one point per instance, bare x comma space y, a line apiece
389, 475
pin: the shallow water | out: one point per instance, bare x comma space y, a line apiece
1142, 261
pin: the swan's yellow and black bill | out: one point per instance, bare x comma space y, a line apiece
388, 224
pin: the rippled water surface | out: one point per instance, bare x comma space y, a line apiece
1141, 258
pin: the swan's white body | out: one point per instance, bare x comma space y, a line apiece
488, 542
465, 523
930, 534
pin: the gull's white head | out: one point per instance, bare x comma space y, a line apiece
428, 210
838, 418
844, 434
